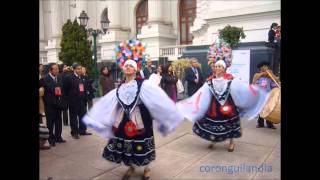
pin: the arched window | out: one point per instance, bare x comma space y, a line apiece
141, 15
187, 12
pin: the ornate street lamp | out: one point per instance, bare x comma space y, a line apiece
94, 32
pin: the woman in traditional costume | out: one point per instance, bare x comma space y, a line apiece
216, 108
125, 116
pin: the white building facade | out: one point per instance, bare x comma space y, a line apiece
167, 26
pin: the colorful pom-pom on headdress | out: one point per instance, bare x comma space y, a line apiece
220, 50
131, 49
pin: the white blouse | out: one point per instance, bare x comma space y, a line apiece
250, 99
102, 116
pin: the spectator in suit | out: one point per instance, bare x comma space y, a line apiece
53, 103
149, 69
88, 82
275, 42
64, 73
194, 77
76, 93
272, 33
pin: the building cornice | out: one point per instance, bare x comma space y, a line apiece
257, 9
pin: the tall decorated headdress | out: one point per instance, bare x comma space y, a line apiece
131, 50
220, 50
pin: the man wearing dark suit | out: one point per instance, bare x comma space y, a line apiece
194, 77
88, 86
64, 73
149, 70
75, 89
275, 44
53, 97
272, 33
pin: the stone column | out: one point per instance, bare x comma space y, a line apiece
56, 18
155, 11
42, 52
200, 24
114, 13
155, 33
116, 33
53, 47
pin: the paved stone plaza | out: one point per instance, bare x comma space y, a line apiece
180, 155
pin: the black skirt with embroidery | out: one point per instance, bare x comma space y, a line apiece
217, 127
138, 150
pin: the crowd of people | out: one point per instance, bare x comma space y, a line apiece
65, 95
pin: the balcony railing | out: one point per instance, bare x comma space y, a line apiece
172, 52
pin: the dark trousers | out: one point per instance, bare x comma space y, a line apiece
65, 117
192, 88
261, 122
54, 123
76, 115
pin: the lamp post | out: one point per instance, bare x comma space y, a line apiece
94, 32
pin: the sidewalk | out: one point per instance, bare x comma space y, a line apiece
181, 155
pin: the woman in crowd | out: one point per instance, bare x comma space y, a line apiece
169, 82
106, 83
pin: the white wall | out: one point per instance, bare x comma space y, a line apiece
125, 14
94, 14
132, 7
46, 19
227, 5
255, 17
255, 27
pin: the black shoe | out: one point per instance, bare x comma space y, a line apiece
76, 136
61, 140
52, 142
85, 133
260, 126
